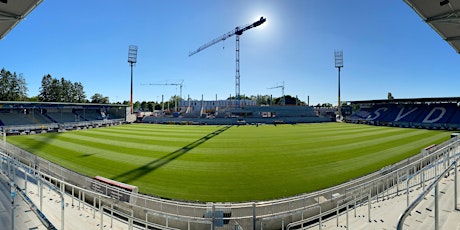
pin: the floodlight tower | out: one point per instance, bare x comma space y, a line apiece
132, 59
338, 54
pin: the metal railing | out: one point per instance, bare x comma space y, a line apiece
422, 196
18, 129
301, 210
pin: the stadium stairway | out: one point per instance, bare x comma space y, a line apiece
25, 218
386, 212
77, 215
38, 118
50, 118
79, 115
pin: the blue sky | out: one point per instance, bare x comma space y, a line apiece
386, 47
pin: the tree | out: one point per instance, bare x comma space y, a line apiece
136, 105
12, 86
172, 102
54, 90
241, 97
20, 88
151, 106
66, 91
34, 98
45, 88
288, 100
144, 106
390, 97
99, 99
79, 94
262, 99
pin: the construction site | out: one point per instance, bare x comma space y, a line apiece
232, 111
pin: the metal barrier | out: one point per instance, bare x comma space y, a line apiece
18, 129
434, 185
301, 210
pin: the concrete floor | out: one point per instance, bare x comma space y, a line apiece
78, 217
384, 214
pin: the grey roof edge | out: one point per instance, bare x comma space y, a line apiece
34, 5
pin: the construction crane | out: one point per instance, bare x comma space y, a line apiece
237, 31
176, 84
283, 101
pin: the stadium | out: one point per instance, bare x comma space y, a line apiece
374, 165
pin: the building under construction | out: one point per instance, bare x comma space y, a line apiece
237, 112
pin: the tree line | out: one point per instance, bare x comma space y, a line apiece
13, 87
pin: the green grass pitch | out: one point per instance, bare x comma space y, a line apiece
222, 163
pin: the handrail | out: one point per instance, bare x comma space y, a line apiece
261, 203
419, 199
52, 187
47, 223
260, 212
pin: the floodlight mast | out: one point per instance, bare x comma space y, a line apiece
338, 54
132, 59
237, 31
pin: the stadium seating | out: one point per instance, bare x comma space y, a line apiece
456, 117
248, 114
435, 115
87, 115
62, 115
38, 117
14, 117
25, 117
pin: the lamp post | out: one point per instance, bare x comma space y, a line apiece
132, 59
338, 54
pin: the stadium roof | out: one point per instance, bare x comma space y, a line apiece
37, 104
12, 12
410, 100
443, 16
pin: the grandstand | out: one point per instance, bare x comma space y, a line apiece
226, 112
393, 188
429, 113
39, 117
435, 113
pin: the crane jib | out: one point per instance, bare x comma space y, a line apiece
237, 31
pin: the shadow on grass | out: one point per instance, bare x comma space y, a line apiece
32, 145
86, 155
134, 174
